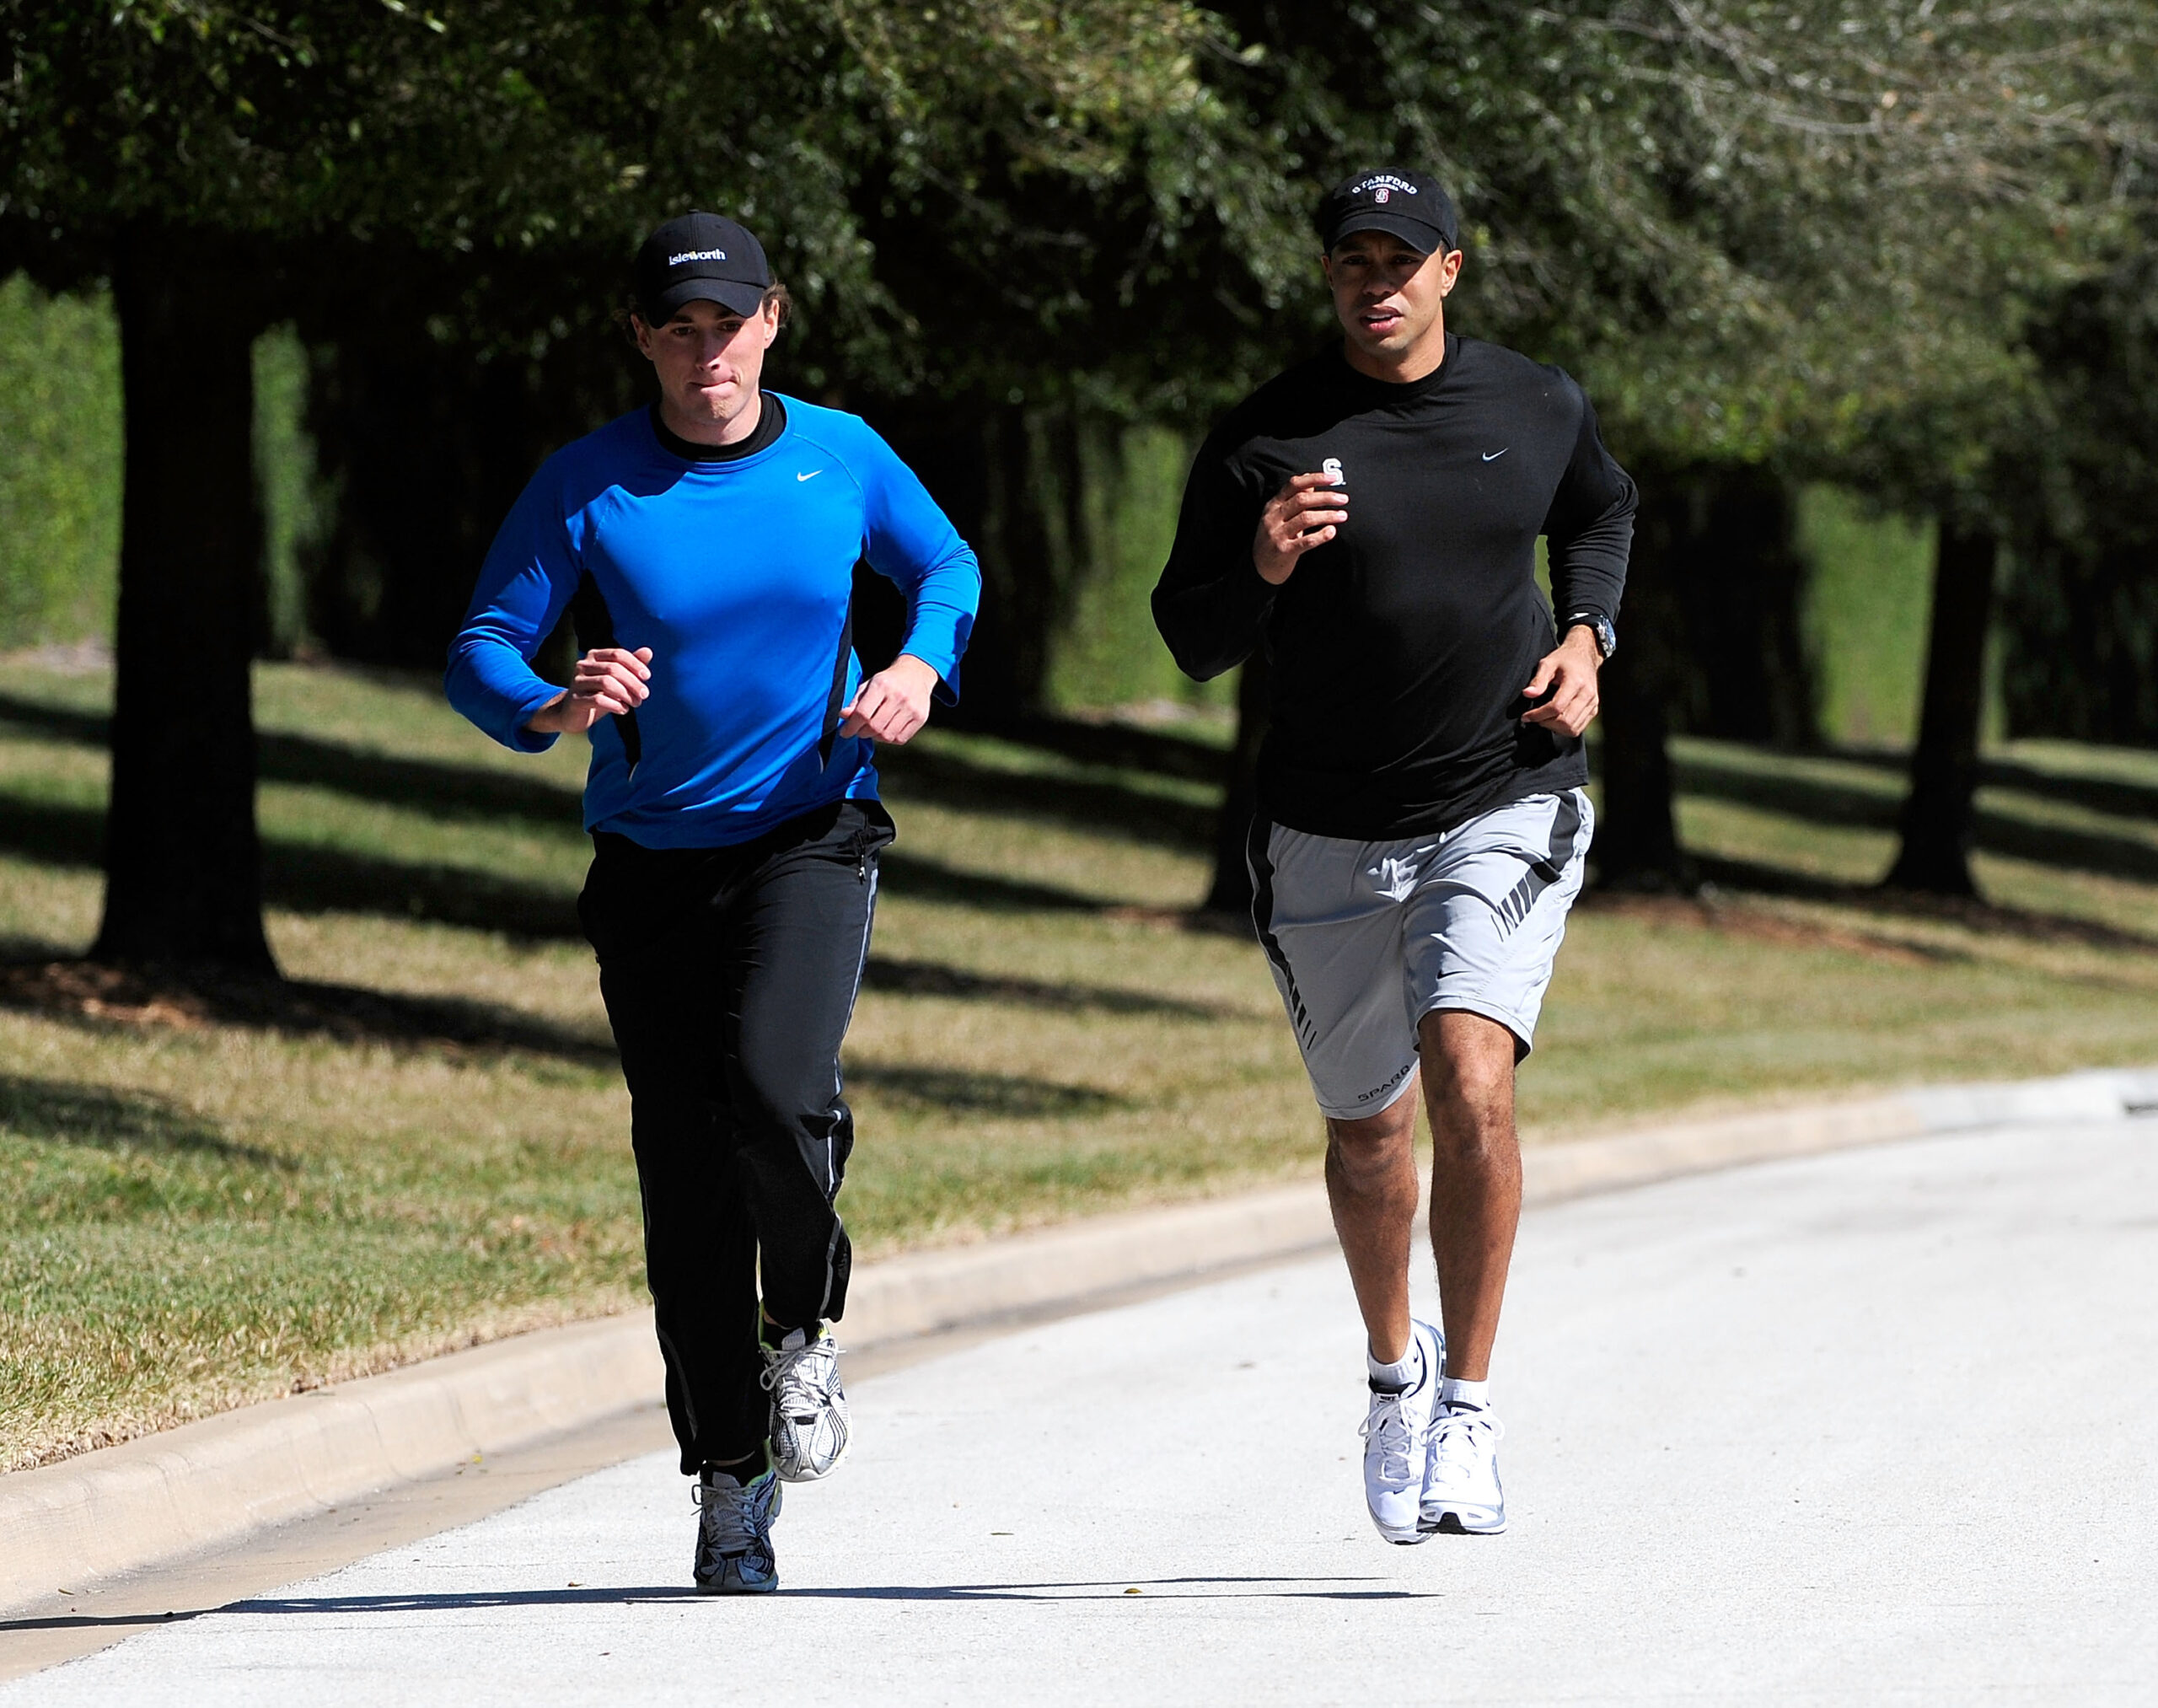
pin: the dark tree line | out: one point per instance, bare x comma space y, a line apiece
2081, 653
1886, 246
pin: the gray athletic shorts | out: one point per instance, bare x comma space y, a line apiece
1366, 939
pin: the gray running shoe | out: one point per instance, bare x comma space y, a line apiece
809, 1423
734, 1533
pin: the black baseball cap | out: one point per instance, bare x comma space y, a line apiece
1408, 205
699, 257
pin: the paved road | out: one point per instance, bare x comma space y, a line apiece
1875, 1427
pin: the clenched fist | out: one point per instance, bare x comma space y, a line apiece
1306, 512
608, 682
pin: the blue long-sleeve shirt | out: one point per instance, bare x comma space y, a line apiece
738, 575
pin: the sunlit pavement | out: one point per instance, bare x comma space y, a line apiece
1869, 1427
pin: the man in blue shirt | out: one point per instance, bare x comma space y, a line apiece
706, 550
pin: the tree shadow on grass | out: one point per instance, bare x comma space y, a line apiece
191, 1000
923, 879
1823, 800
448, 790
2121, 795
2025, 923
1710, 912
440, 787
59, 722
59, 1110
1157, 751
934, 978
307, 877
951, 780
994, 1096
38, 978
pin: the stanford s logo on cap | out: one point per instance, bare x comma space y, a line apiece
1372, 202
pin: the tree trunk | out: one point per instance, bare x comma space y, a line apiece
1637, 835
1232, 890
183, 867
1007, 661
1740, 668
1637, 844
1936, 822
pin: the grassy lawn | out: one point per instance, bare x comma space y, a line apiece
223, 1195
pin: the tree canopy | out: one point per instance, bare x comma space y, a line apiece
1751, 225
1818, 232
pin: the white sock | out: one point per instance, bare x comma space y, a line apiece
1456, 1392
1404, 1374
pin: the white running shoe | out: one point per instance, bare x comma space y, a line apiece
734, 1533
1396, 1433
1461, 1495
809, 1422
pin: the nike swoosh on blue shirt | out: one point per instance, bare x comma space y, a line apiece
811, 475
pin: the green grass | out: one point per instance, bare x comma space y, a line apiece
220, 1196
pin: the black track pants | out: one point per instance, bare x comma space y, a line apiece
729, 975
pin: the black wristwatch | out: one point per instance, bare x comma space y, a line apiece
1599, 625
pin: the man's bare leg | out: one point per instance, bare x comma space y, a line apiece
1467, 1068
1371, 1181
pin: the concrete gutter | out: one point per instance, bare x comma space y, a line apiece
158, 1500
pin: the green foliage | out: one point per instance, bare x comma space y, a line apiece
1749, 226
296, 507
2082, 658
1747, 223
1866, 615
60, 457
508, 130
1109, 652
1811, 231
61, 424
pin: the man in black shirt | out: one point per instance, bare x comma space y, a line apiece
1422, 825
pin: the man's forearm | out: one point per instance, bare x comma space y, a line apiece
1588, 563
1212, 627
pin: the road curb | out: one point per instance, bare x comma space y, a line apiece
155, 1502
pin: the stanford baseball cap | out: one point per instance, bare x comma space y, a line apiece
1408, 205
699, 257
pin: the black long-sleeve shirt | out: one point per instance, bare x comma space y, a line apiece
1400, 648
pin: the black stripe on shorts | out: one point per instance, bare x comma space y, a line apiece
1261, 866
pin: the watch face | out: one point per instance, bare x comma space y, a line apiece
1607, 637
